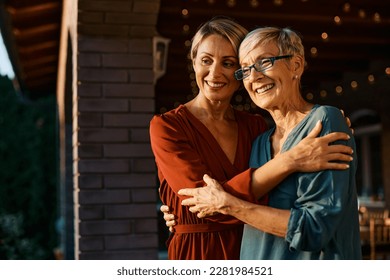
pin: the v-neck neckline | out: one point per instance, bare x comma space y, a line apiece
206, 130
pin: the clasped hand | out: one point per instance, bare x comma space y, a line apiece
207, 200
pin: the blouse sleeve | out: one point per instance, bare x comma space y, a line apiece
323, 197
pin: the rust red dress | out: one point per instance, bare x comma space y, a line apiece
184, 151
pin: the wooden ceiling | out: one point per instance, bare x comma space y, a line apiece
358, 41
31, 31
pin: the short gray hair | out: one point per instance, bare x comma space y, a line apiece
287, 40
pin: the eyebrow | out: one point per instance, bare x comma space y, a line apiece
260, 57
226, 56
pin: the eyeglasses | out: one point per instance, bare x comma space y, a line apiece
259, 66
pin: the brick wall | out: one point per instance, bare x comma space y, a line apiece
115, 181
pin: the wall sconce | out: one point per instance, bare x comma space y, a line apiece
160, 56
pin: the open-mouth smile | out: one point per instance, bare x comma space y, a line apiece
264, 88
214, 85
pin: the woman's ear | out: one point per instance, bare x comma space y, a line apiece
298, 65
193, 63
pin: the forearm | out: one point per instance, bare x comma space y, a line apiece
271, 174
264, 218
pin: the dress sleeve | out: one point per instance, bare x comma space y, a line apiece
323, 197
175, 158
240, 186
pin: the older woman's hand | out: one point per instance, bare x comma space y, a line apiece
208, 200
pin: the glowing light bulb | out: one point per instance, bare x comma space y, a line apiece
339, 90
337, 20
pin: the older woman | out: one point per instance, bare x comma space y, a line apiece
309, 215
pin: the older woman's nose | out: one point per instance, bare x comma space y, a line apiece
255, 75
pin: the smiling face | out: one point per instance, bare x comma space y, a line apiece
214, 66
275, 86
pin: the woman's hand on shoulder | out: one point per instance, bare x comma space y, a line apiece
315, 153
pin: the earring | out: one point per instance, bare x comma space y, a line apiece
296, 77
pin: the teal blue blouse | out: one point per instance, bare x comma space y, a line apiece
324, 221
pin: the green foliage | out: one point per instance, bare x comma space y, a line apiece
28, 198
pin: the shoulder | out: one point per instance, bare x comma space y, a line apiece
326, 111
331, 117
168, 117
168, 123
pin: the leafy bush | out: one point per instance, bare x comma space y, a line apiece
28, 194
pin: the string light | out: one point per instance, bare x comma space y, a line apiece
339, 90
323, 93
184, 13
324, 36
278, 2
387, 71
371, 79
313, 52
186, 28
362, 13
377, 18
231, 3
347, 7
337, 20
354, 85
254, 3
309, 96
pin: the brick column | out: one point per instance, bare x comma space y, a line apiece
115, 181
